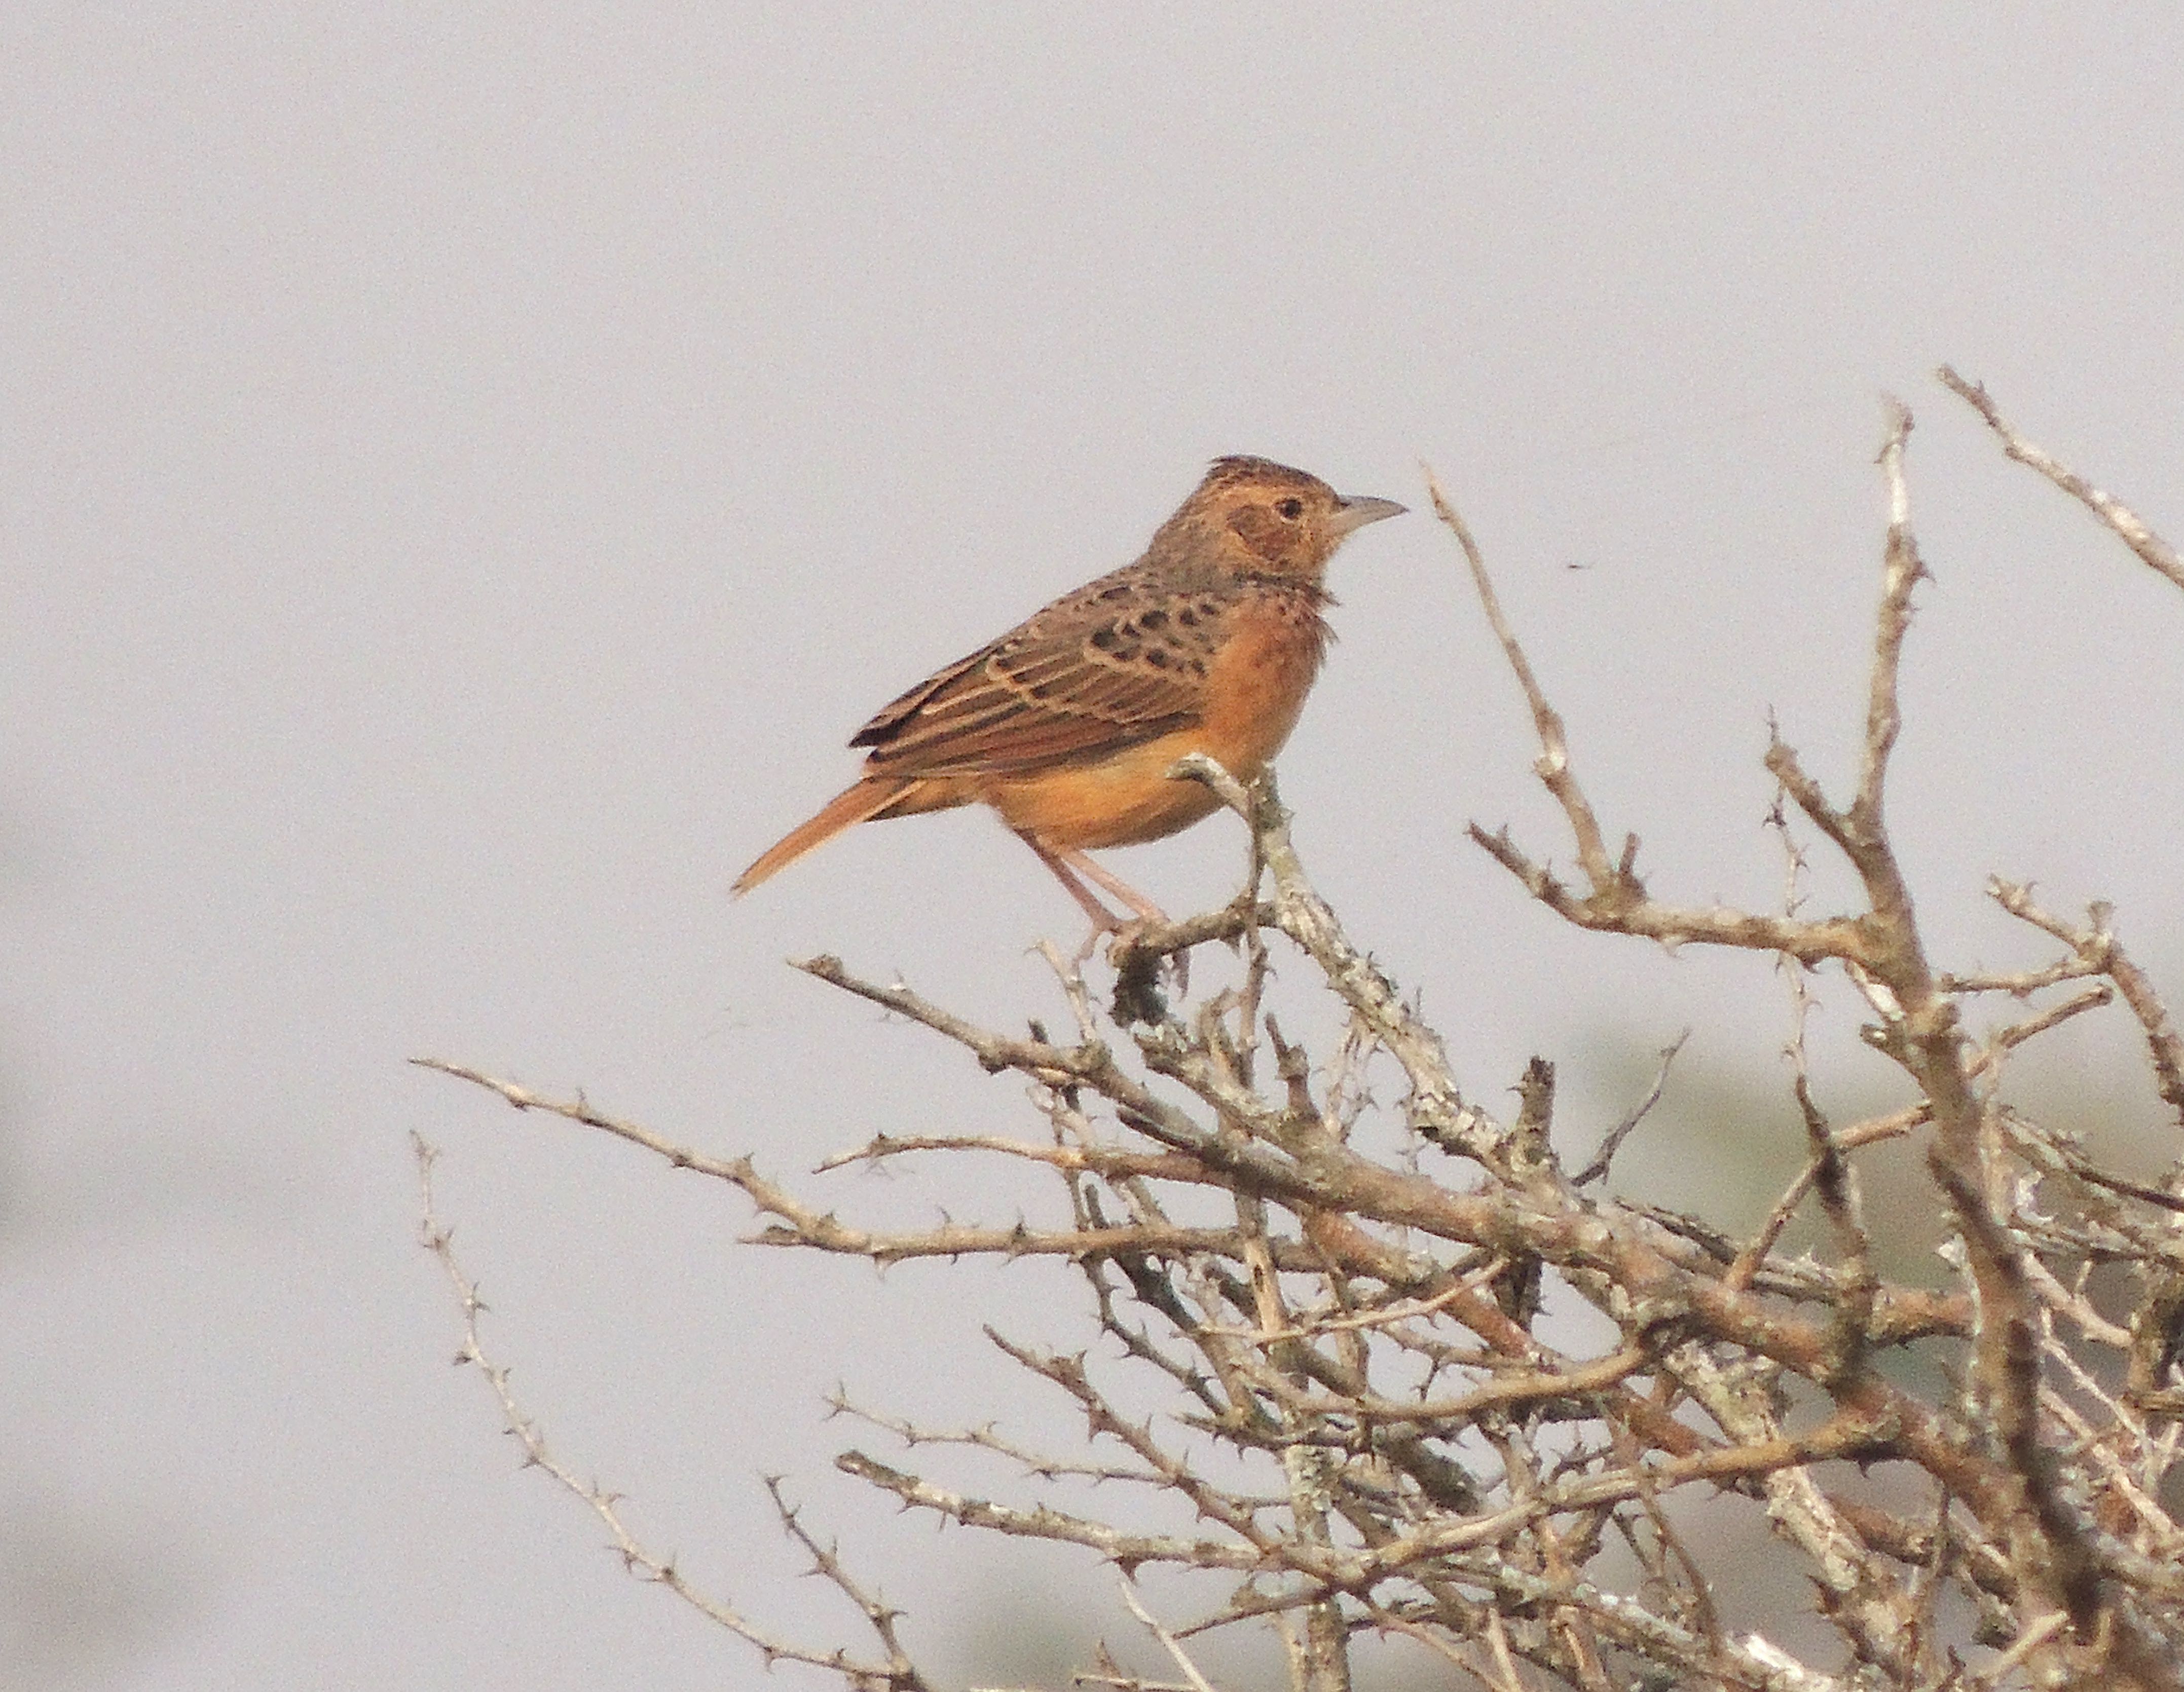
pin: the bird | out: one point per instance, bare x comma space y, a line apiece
1067, 725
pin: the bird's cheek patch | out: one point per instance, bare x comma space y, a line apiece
1260, 530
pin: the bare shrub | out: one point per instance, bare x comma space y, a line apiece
1361, 1419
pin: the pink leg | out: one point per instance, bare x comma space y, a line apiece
1068, 865
1104, 920
1114, 885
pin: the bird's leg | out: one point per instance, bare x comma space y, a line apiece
1068, 865
1110, 882
1104, 920
1147, 913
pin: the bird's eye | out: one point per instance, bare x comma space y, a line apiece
1291, 509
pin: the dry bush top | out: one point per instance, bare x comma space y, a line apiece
1367, 1430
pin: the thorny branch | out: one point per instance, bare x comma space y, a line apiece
1367, 1430
895, 1674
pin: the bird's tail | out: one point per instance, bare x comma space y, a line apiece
860, 804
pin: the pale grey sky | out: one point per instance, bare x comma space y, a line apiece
466, 470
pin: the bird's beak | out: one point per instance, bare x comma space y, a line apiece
1355, 514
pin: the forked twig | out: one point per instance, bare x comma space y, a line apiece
896, 1672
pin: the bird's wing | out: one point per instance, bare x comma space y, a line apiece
1120, 661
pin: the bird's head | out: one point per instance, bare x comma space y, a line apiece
1259, 518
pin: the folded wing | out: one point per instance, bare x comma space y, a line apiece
1117, 663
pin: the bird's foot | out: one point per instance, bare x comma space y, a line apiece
1137, 966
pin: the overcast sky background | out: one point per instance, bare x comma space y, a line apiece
465, 470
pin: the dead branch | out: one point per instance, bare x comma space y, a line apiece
2154, 551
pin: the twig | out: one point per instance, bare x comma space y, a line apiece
1175, 1651
1553, 767
2098, 950
897, 1672
1597, 1169
2036, 1634
2154, 551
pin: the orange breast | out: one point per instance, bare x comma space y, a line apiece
1257, 683
1255, 688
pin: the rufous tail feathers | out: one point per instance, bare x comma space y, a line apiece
860, 804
